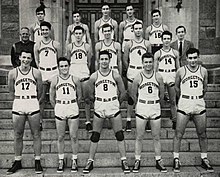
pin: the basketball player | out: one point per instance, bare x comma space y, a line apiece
114, 48
166, 63
25, 86
107, 91
134, 49
79, 54
65, 95
103, 20
191, 86
35, 30
147, 91
154, 31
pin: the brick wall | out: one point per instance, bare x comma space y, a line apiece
9, 25
208, 43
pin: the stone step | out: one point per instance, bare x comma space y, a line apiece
110, 146
111, 159
212, 122
106, 134
186, 171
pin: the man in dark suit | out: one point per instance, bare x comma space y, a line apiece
181, 44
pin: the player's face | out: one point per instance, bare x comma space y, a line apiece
130, 11
104, 61
166, 39
148, 64
105, 10
45, 31
76, 18
25, 59
193, 60
181, 33
138, 30
40, 15
79, 35
107, 32
156, 17
64, 67
24, 35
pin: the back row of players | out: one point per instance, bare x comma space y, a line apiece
105, 88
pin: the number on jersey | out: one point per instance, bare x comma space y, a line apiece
150, 89
78, 55
139, 52
25, 86
46, 53
157, 35
105, 87
66, 90
168, 61
193, 84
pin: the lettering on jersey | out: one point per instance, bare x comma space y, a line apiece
128, 26
65, 85
111, 51
167, 56
48, 49
79, 50
105, 82
25, 80
156, 31
148, 84
192, 78
138, 47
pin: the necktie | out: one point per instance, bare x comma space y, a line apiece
181, 48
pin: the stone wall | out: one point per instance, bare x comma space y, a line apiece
9, 25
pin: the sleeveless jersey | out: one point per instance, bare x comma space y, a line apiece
47, 55
101, 23
37, 33
136, 51
78, 54
167, 60
105, 86
192, 82
155, 34
148, 89
112, 50
73, 39
25, 84
128, 32
65, 89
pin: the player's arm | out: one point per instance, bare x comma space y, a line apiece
90, 89
68, 51
53, 91
78, 90
115, 24
119, 62
126, 55
68, 36
147, 32
38, 77
52, 35
177, 83
89, 54
165, 27
11, 82
31, 30
13, 58
148, 45
134, 88
121, 29
205, 80
121, 87
177, 64
58, 48
156, 60
161, 87
97, 50
96, 31
88, 38
36, 53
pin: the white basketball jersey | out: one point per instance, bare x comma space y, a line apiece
37, 33
112, 50
25, 84
167, 60
148, 89
136, 51
155, 34
47, 55
78, 54
101, 23
65, 89
128, 32
73, 38
105, 86
192, 82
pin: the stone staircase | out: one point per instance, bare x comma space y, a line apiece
107, 160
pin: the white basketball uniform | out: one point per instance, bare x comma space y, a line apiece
101, 23
66, 101
155, 35
37, 32
106, 98
191, 92
73, 38
167, 66
113, 52
148, 104
25, 101
79, 67
48, 60
135, 53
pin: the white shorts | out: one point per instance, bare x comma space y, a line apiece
148, 111
80, 71
65, 111
108, 109
191, 106
133, 72
48, 75
26, 106
168, 77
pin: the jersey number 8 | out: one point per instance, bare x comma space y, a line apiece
105, 87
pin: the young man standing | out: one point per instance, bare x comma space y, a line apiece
147, 93
107, 91
166, 63
79, 54
191, 86
65, 95
25, 86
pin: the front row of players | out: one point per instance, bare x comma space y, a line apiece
107, 91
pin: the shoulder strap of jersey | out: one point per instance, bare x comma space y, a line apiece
185, 69
141, 74
52, 41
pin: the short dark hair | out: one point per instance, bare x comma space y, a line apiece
40, 8
147, 55
191, 51
178, 27
166, 33
62, 59
26, 51
155, 11
105, 4
76, 12
104, 52
106, 25
79, 28
129, 5
137, 23
25, 27
44, 23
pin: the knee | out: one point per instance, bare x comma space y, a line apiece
74, 138
140, 137
178, 135
61, 137
87, 101
130, 101
95, 137
156, 137
173, 101
202, 135
119, 135
18, 135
